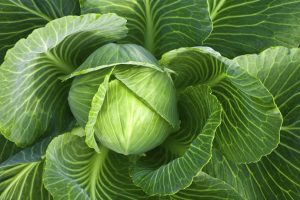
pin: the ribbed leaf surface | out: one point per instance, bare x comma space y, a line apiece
205, 187
74, 171
33, 101
20, 17
159, 26
21, 174
251, 120
172, 166
250, 26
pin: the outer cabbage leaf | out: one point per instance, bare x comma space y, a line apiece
250, 26
251, 120
276, 176
7, 148
33, 101
206, 187
159, 26
173, 165
75, 171
21, 174
20, 17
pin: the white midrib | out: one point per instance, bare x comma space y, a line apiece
97, 163
216, 9
149, 33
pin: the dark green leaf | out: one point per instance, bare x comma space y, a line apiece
244, 26
276, 176
7, 148
74, 171
159, 26
21, 174
21, 17
251, 120
205, 187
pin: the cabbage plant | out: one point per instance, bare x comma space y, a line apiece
149, 99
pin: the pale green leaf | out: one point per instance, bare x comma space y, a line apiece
172, 166
82, 92
33, 101
91, 73
126, 124
154, 87
96, 105
251, 120
139, 71
115, 54
159, 26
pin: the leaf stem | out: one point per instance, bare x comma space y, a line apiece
216, 80
149, 33
59, 63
